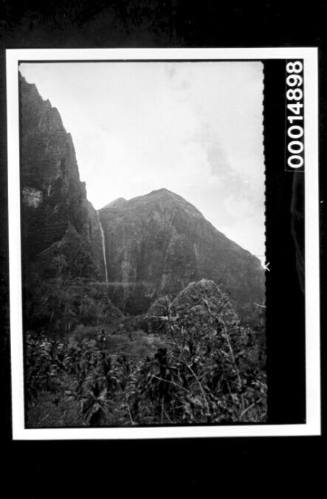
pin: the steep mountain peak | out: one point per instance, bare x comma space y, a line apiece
165, 195
159, 200
116, 203
162, 192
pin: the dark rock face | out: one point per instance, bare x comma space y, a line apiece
158, 243
61, 233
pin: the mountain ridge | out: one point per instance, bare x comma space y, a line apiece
162, 242
121, 202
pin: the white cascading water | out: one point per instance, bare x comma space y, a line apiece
103, 247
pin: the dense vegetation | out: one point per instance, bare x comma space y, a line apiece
189, 361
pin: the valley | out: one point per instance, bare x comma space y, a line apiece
140, 313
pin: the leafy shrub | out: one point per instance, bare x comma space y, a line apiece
207, 375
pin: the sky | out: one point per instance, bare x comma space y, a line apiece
195, 128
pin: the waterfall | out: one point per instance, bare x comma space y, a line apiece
103, 247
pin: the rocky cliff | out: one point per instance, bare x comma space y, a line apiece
158, 243
60, 229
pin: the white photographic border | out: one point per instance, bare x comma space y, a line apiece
312, 291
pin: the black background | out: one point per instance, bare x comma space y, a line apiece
89, 469
284, 280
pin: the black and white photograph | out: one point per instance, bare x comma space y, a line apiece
163, 235
143, 243
143, 219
